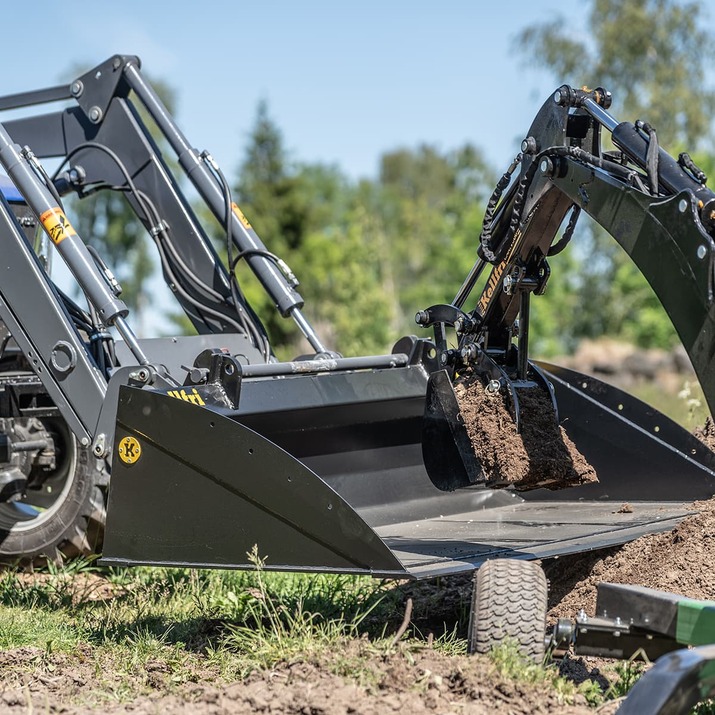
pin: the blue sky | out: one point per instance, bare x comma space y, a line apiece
344, 80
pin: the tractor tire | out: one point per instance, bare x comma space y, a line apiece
509, 606
65, 517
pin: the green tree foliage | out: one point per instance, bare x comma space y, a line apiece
430, 205
652, 55
369, 254
305, 213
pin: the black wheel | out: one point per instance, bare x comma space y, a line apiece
65, 516
509, 605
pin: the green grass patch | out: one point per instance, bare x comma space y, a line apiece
47, 631
147, 629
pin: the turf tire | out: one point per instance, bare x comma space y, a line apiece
509, 606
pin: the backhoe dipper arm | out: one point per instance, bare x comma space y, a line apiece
668, 234
657, 208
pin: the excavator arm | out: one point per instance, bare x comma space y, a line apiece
657, 208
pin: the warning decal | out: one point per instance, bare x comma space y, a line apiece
240, 215
57, 225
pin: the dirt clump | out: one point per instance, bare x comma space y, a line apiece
541, 455
706, 434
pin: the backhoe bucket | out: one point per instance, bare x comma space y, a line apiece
447, 451
326, 473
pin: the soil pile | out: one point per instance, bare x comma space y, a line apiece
681, 561
541, 455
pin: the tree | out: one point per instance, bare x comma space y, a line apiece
306, 214
650, 54
430, 206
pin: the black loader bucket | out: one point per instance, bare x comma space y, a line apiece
325, 472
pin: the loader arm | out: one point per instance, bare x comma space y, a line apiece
105, 143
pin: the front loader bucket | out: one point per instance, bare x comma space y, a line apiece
325, 472
190, 486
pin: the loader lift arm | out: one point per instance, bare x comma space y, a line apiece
105, 144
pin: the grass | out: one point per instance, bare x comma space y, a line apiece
687, 407
131, 632
225, 624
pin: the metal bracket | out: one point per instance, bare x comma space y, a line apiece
95, 89
220, 374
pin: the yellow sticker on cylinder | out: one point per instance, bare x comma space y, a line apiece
240, 215
57, 225
129, 450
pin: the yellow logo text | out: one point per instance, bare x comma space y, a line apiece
239, 215
193, 397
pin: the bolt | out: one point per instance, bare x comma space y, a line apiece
116, 63
421, 317
95, 115
443, 358
529, 146
702, 252
546, 166
682, 206
99, 448
492, 387
84, 441
468, 352
459, 325
76, 88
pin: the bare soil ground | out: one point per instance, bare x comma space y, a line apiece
425, 682
360, 678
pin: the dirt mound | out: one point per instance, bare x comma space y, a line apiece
681, 560
541, 455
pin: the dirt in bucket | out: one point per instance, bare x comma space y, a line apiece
541, 455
